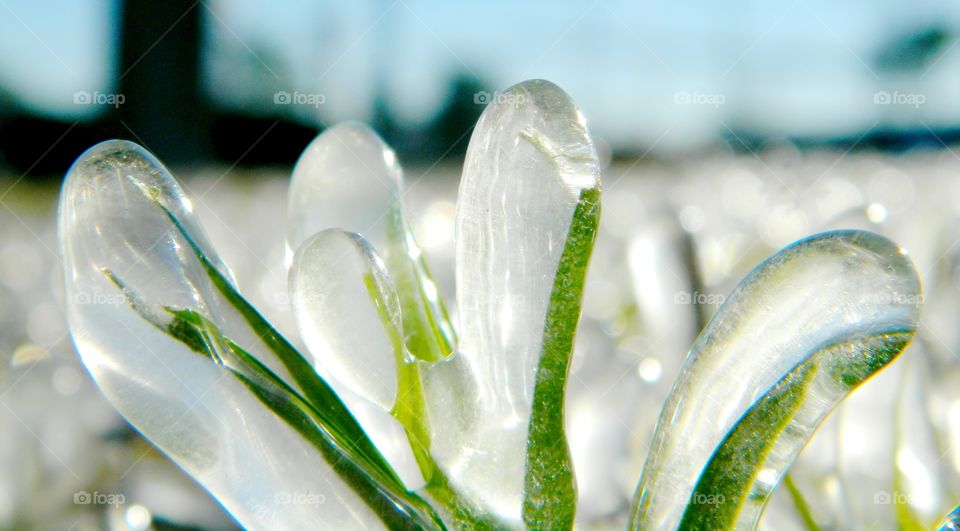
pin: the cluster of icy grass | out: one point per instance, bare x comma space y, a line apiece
680, 234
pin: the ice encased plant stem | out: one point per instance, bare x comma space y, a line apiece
487, 425
349, 179
796, 336
159, 324
348, 313
527, 214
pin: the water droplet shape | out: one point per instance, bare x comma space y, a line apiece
796, 335
162, 330
348, 313
526, 218
348, 178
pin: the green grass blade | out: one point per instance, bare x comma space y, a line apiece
728, 481
317, 392
397, 509
550, 495
333, 415
429, 334
803, 508
411, 411
725, 483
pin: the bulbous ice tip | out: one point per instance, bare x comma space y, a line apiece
541, 113
345, 178
358, 139
113, 159
348, 313
116, 149
112, 165
896, 289
118, 183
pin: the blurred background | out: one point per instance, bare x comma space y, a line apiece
247, 83
726, 130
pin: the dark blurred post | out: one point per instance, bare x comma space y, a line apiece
160, 78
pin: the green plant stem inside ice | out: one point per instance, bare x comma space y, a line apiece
318, 415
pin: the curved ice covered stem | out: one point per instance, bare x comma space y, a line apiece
348, 178
797, 334
348, 314
527, 213
170, 342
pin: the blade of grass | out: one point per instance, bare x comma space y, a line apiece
316, 391
725, 483
411, 411
800, 503
426, 324
550, 495
727, 480
283, 401
333, 415
396, 507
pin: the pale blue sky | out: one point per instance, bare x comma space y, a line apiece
786, 67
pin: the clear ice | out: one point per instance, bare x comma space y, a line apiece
132, 280
805, 327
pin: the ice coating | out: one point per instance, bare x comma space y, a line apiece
124, 261
348, 178
348, 313
809, 323
528, 164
